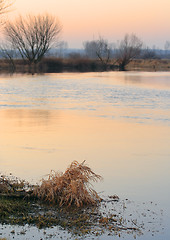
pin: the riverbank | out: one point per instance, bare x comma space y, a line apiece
64, 200
112, 217
55, 65
21, 205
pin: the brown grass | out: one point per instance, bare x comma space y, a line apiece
70, 188
149, 65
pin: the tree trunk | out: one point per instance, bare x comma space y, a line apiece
122, 66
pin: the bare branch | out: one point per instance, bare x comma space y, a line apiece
5, 5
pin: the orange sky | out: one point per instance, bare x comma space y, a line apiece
85, 20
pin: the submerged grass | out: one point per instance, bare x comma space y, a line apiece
12, 207
89, 220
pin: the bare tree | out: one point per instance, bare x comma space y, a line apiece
103, 52
128, 49
5, 6
8, 53
62, 49
32, 36
90, 49
148, 53
99, 48
167, 45
167, 49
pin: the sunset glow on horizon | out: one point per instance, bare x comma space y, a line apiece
112, 19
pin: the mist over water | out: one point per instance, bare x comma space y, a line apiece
118, 122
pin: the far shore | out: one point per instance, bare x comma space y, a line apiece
55, 65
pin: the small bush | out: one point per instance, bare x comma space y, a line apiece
69, 188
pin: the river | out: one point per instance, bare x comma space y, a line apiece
119, 122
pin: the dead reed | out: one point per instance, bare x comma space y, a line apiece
72, 188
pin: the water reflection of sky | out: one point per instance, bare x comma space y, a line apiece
118, 122
134, 97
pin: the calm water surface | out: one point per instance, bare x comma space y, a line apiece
118, 122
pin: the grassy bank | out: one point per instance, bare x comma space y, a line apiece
54, 65
93, 220
149, 65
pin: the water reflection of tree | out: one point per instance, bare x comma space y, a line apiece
30, 117
133, 79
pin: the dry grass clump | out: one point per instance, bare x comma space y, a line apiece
11, 184
70, 188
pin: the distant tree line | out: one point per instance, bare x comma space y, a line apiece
34, 37
124, 51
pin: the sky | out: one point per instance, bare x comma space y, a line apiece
111, 19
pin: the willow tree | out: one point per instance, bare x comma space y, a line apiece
32, 36
128, 49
